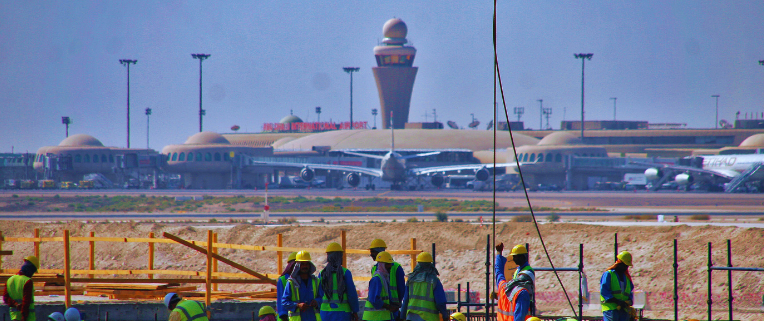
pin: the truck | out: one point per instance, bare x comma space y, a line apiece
86, 185
46, 184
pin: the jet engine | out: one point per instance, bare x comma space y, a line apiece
307, 174
353, 179
684, 179
653, 174
437, 180
482, 174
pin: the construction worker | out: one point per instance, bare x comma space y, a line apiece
72, 314
458, 316
56, 316
424, 299
19, 291
281, 282
302, 291
397, 276
515, 296
340, 300
184, 310
379, 304
267, 313
617, 290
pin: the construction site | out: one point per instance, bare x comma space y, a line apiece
121, 271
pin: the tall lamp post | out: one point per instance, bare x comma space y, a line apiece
716, 123
318, 112
547, 112
66, 121
128, 62
519, 111
148, 113
614, 99
584, 57
201, 58
351, 70
374, 113
541, 113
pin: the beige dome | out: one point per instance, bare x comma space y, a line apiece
559, 138
753, 141
290, 119
80, 140
395, 28
206, 138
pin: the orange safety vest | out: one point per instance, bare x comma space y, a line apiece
507, 306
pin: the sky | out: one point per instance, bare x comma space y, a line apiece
662, 60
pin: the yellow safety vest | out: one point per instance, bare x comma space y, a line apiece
15, 286
615, 289
191, 311
295, 315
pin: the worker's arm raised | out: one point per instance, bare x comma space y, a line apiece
498, 269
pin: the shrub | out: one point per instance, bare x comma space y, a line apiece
554, 217
458, 220
213, 220
56, 196
522, 218
15, 196
646, 217
700, 217
441, 216
412, 220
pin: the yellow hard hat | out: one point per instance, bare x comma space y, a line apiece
292, 256
458, 316
302, 256
35, 261
266, 310
377, 243
519, 249
384, 257
424, 257
334, 247
533, 319
625, 257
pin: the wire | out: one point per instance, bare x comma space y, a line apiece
497, 73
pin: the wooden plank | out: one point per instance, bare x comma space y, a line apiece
222, 259
214, 262
141, 286
34, 239
151, 255
1, 248
279, 254
344, 244
179, 281
91, 263
6, 252
37, 244
208, 277
67, 268
413, 257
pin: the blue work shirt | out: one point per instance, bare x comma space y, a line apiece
523, 302
375, 293
440, 300
280, 291
352, 301
305, 288
605, 285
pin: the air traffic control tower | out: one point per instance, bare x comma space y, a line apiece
394, 73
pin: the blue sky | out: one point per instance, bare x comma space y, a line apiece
662, 59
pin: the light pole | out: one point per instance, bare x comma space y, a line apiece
614, 99
351, 70
547, 112
519, 111
148, 113
583, 57
128, 62
541, 112
318, 112
374, 113
201, 58
716, 124
66, 121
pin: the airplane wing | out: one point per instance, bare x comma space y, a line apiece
343, 168
728, 174
420, 155
364, 155
452, 168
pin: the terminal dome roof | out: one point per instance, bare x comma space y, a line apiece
394, 28
559, 138
753, 141
206, 138
80, 140
290, 119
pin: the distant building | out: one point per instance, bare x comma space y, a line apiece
428, 125
603, 124
394, 73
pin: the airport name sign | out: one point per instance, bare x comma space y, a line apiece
311, 127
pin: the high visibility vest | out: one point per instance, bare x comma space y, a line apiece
528, 270
191, 310
15, 286
295, 315
393, 281
507, 304
326, 302
370, 313
615, 289
421, 296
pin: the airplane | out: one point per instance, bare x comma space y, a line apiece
712, 169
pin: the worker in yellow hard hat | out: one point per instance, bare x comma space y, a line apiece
424, 299
19, 291
267, 313
380, 305
340, 300
617, 290
281, 282
302, 291
397, 277
515, 295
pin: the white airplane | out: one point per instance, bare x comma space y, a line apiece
714, 169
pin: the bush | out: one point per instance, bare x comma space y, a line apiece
441, 216
213, 220
15, 196
458, 220
700, 217
522, 218
646, 217
554, 217
412, 220
56, 196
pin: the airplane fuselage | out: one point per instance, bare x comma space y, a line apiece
393, 168
738, 163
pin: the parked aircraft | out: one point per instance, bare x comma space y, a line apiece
734, 169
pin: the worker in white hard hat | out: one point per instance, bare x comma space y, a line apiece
281, 283
72, 314
302, 292
515, 295
340, 300
183, 310
397, 277
19, 291
424, 299
617, 290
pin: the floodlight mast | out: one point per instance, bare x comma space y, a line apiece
583, 57
128, 62
201, 58
351, 70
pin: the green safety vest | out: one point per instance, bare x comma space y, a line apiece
327, 301
421, 298
532, 273
370, 313
191, 310
295, 315
615, 288
393, 280
15, 287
